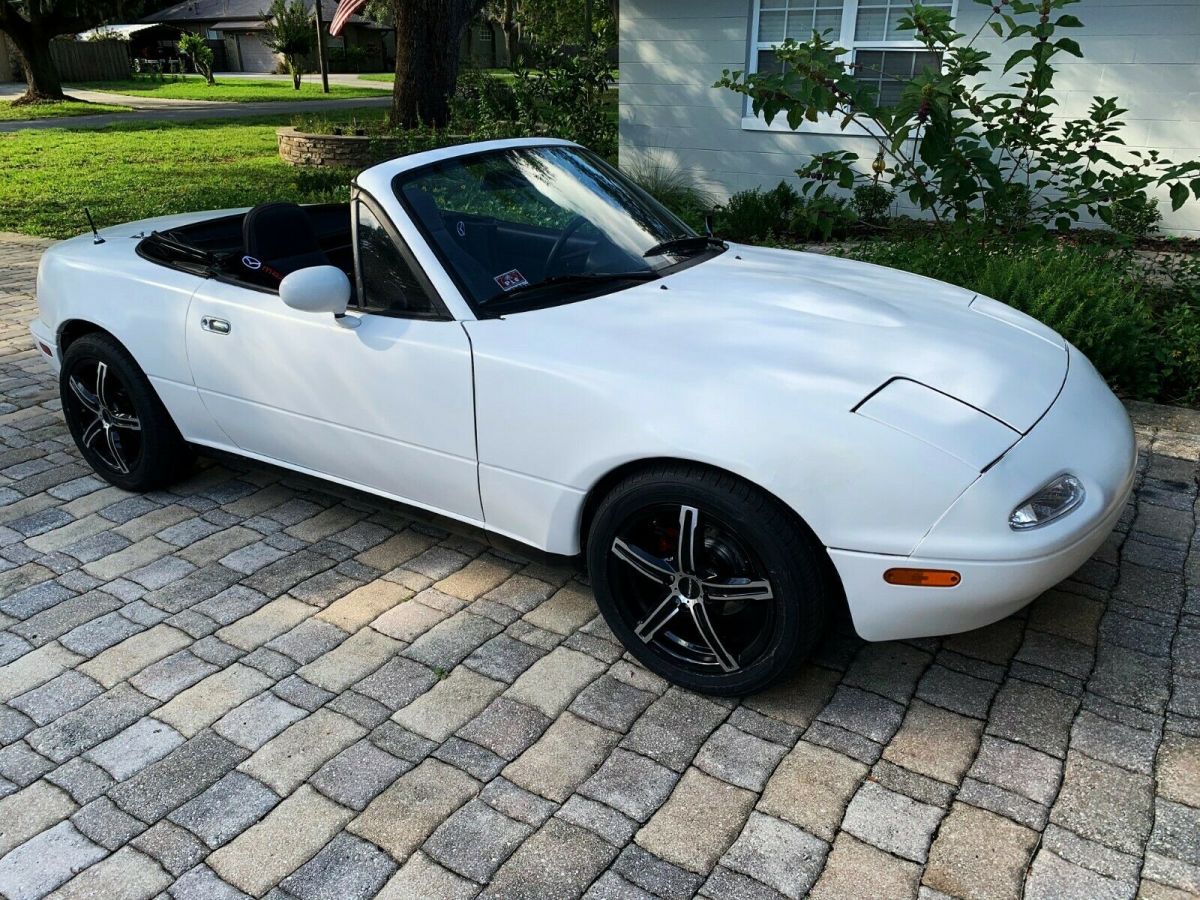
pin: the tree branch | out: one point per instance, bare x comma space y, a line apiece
13, 23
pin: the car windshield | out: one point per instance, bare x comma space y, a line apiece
528, 227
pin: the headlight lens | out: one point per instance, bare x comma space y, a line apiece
1056, 499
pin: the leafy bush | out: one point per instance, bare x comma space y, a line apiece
1009, 210
673, 187
781, 214
347, 59
1180, 328
352, 124
1173, 288
324, 185
563, 92
951, 144
483, 100
566, 94
1136, 216
821, 218
872, 202
756, 214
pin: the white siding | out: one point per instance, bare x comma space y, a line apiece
1145, 53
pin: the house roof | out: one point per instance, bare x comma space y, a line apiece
124, 32
227, 12
240, 25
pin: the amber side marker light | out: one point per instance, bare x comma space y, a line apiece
922, 577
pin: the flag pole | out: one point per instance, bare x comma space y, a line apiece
322, 63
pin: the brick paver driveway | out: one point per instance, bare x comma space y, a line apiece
256, 684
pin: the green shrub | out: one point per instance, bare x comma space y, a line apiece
1173, 290
872, 201
1009, 210
1136, 217
483, 100
756, 214
821, 218
675, 188
563, 91
1180, 329
1097, 302
324, 185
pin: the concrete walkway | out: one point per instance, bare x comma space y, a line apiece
254, 683
347, 78
159, 109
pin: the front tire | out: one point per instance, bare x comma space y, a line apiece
118, 423
707, 580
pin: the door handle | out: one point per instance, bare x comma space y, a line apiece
216, 326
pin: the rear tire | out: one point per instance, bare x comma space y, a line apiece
727, 612
119, 425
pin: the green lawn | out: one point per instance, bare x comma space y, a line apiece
136, 169
9, 113
390, 77
230, 90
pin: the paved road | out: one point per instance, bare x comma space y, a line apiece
252, 683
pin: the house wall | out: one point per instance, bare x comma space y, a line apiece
481, 52
1145, 52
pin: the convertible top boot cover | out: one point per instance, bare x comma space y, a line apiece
280, 236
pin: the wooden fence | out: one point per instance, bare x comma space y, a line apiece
90, 60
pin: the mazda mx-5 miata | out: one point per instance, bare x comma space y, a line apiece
512, 334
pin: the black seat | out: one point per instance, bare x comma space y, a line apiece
280, 236
466, 264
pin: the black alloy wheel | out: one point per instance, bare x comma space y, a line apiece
112, 432
697, 594
118, 423
708, 581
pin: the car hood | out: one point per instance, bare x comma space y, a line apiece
841, 327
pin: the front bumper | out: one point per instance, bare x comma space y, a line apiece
1085, 432
46, 343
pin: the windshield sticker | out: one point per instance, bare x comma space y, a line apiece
511, 279
462, 228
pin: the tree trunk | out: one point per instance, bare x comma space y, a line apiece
41, 75
512, 34
428, 45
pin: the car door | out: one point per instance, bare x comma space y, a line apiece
382, 398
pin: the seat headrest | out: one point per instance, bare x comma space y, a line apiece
281, 235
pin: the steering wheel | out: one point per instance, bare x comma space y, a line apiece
557, 249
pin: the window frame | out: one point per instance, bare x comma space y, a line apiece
826, 124
439, 312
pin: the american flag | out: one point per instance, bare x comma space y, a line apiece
345, 9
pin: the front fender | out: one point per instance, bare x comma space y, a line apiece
553, 422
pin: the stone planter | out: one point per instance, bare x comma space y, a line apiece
334, 150
347, 150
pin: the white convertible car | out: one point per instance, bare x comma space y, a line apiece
513, 335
